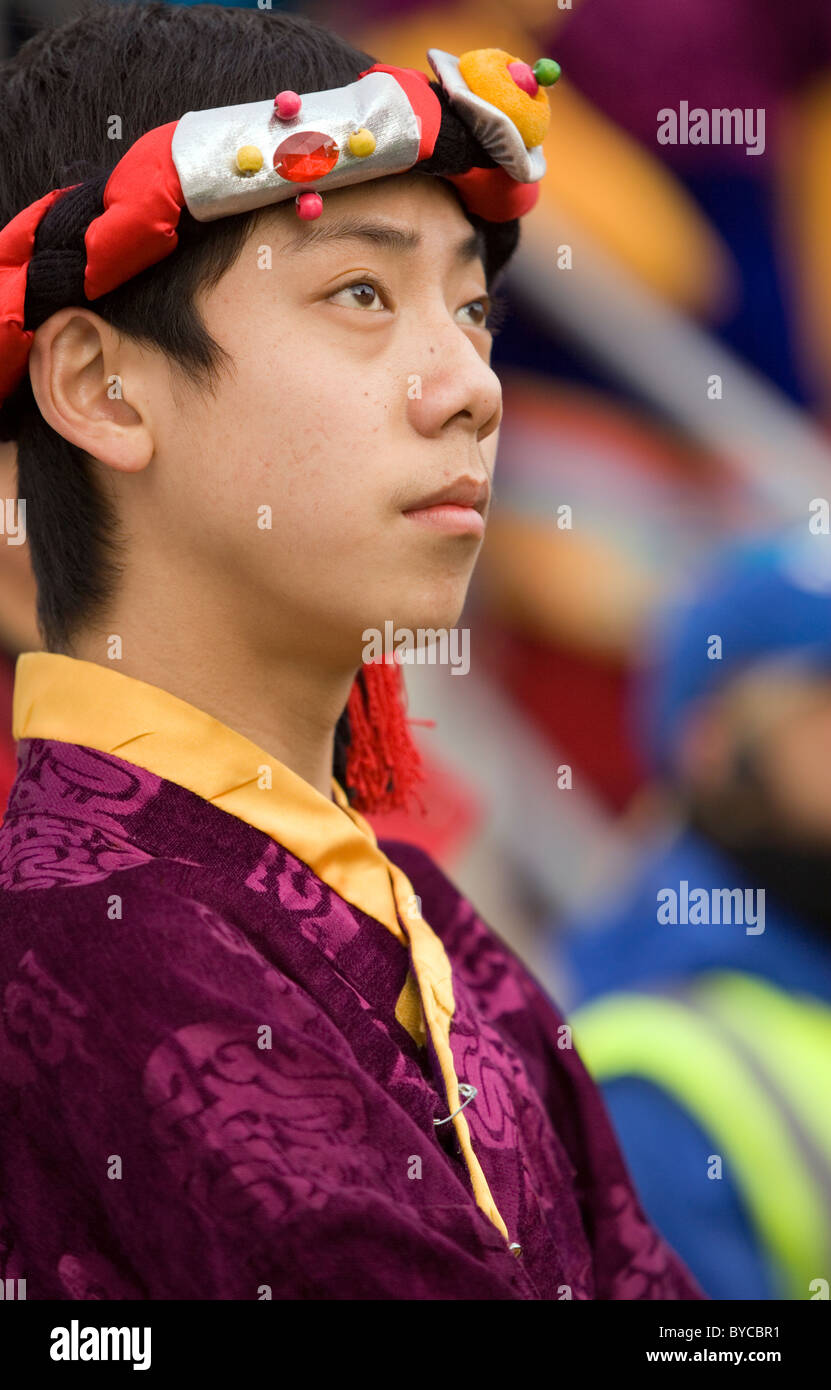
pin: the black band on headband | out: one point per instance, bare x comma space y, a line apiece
56, 273
456, 149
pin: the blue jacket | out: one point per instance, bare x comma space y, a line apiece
620, 944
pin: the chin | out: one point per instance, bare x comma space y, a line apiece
414, 598
393, 621
442, 610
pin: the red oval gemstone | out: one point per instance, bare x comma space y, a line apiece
305, 155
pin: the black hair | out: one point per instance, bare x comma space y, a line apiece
146, 64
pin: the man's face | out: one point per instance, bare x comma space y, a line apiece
362, 385
783, 721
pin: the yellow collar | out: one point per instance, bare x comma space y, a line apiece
60, 697
72, 701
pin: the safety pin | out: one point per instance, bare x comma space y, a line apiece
465, 1089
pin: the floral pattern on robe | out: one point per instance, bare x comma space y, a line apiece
205, 1093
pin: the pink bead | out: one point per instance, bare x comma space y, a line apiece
524, 77
309, 206
286, 105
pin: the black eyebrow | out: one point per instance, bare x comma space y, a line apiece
400, 239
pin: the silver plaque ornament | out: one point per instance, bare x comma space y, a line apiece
216, 152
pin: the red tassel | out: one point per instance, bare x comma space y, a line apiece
383, 764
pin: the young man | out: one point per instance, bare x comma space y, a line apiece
246, 1050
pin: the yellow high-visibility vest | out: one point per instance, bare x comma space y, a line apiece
752, 1064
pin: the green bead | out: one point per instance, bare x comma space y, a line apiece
546, 71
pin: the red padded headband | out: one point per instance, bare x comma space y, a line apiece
199, 163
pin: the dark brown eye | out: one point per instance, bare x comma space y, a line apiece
367, 292
492, 310
480, 307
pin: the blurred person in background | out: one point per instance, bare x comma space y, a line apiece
707, 1019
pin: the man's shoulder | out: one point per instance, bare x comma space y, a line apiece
149, 959
129, 918
68, 819
57, 864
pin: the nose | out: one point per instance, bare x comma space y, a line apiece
456, 388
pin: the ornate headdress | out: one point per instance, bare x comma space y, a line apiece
232, 159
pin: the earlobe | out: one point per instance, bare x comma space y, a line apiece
79, 381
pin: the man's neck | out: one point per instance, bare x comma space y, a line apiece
284, 708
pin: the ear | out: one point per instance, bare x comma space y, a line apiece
87, 381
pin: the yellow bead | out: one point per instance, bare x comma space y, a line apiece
361, 142
249, 159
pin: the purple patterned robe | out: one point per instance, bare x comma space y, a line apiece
152, 1147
